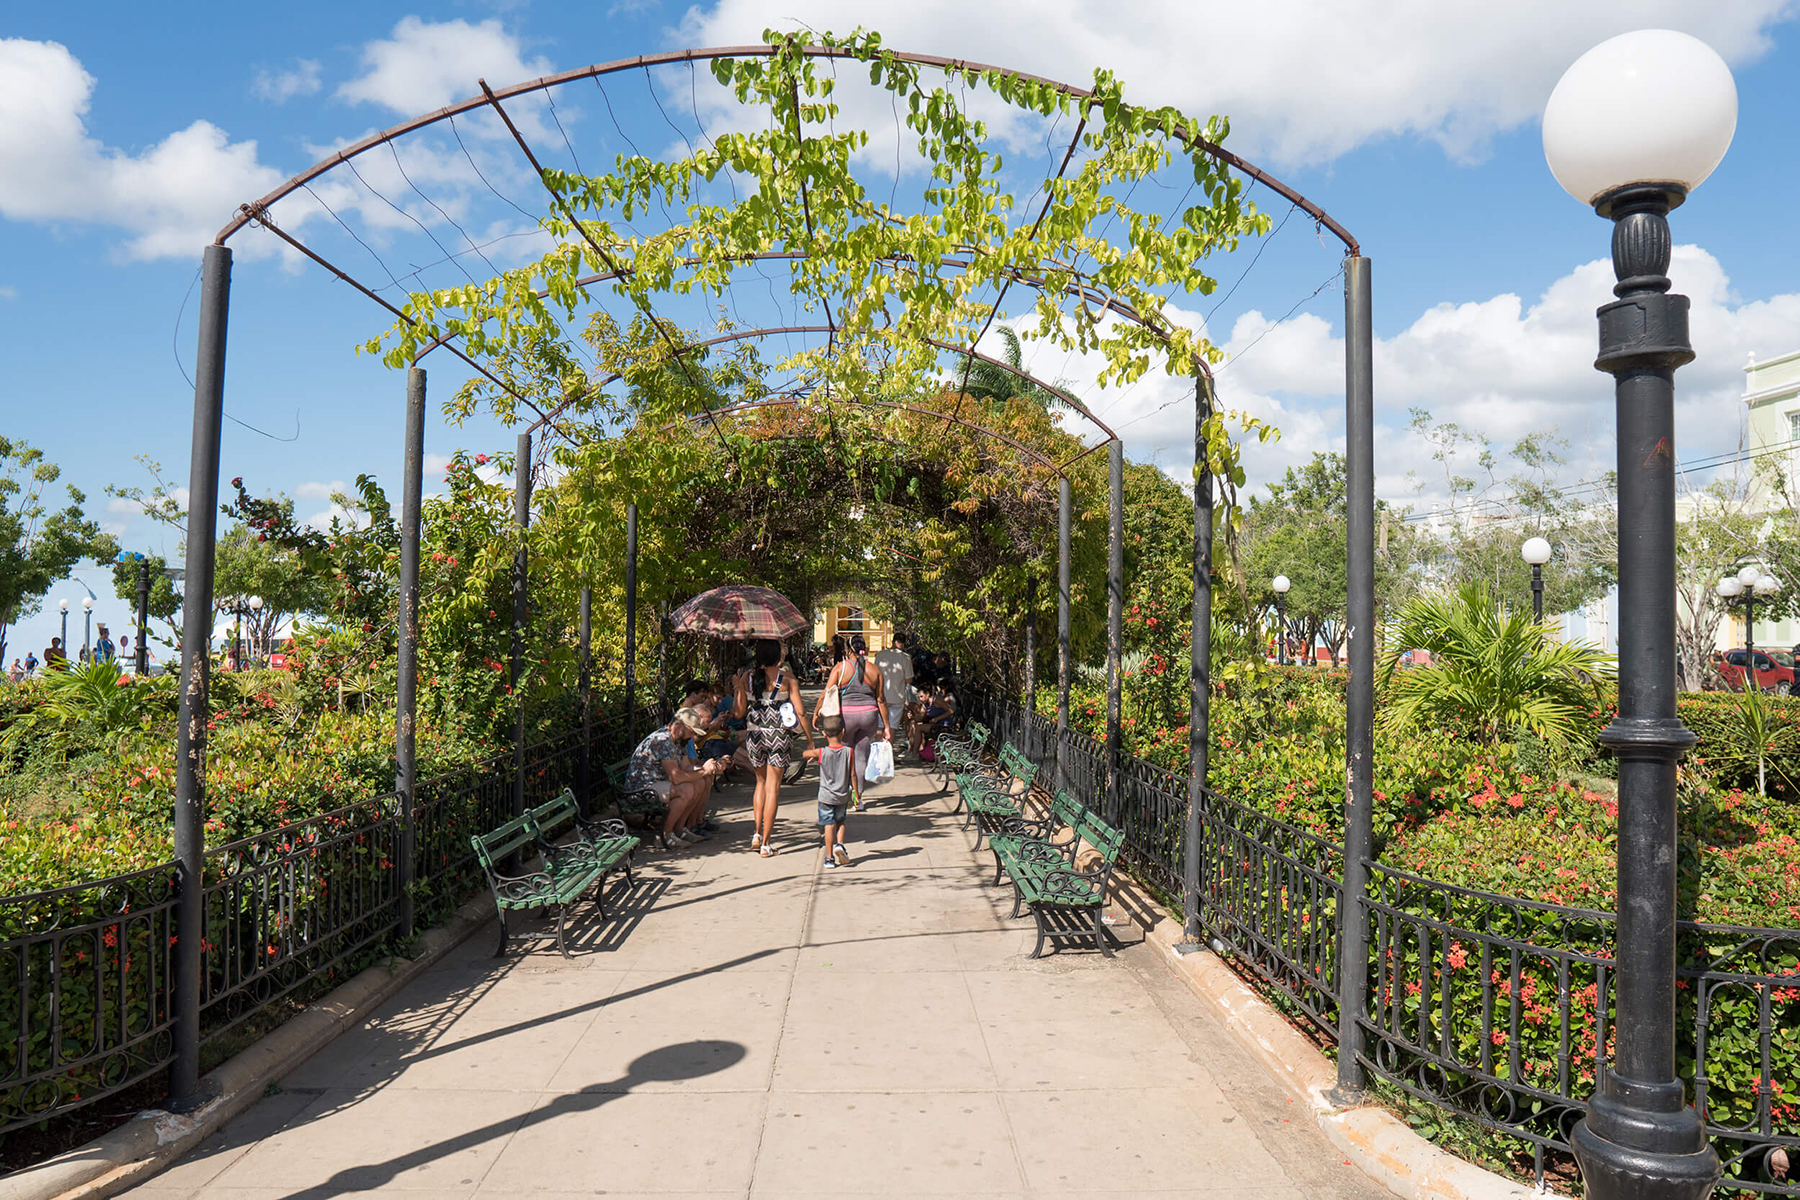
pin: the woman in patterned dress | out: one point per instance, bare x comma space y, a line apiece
762, 693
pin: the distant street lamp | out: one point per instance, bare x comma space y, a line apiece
1744, 590
1633, 126
1281, 585
64, 606
256, 607
87, 633
1536, 551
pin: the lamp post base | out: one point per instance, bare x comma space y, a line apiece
1614, 1170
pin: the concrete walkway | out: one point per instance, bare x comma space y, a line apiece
770, 1027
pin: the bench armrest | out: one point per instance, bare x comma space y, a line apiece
520, 887
1065, 882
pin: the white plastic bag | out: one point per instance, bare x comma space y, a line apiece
881, 762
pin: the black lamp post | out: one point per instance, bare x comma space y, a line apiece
1633, 126
1281, 586
87, 630
1536, 551
1744, 589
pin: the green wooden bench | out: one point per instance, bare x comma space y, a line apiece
991, 798
603, 842
1051, 837
959, 752
561, 879
1069, 903
639, 806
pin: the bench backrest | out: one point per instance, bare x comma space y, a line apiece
978, 734
494, 847
1066, 811
1098, 834
615, 772
549, 818
1021, 768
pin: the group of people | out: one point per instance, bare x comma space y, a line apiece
749, 720
56, 659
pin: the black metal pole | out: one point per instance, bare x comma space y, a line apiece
1281, 629
1115, 618
1640, 1139
585, 763
1200, 664
1537, 593
1750, 634
521, 611
406, 691
1064, 507
631, 599
1359, 730
196, 675
1030, 647
143, 620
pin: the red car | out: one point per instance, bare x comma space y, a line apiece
1774, 670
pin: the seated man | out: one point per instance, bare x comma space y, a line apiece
937, 715
660, 763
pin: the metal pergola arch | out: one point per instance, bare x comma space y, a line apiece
204, 474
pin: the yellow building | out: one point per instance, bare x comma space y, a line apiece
848, 616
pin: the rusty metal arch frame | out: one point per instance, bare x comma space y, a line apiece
258, 211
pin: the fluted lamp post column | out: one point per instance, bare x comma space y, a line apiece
63, 607
1281, 585
1633, 126
1536, 551
87, 630
256, 607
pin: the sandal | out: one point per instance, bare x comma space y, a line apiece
755, 840
768, 851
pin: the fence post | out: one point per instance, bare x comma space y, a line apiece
1115, 620
631, 599
1064, 503
1359, 732
521, 611
196, 673
1200, 667
407, 686
585, 762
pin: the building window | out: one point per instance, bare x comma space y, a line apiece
1794, 427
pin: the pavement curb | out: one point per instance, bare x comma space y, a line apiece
153, 1140
1381, 1145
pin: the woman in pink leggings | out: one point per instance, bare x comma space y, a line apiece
861, 701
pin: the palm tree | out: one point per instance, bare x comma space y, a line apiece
988, 382
1492, 669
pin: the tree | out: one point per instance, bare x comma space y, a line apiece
1717, 528
1492, 668
1487, 519
38, 546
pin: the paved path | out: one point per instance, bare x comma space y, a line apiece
768, 1027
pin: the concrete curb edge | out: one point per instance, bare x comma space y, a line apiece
1381, 1145
153, 1140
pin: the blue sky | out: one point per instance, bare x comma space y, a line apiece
129, 133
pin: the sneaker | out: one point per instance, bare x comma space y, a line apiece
672, 842
829, 862
696, 834
841, 855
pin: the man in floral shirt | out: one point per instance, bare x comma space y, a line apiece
660, 764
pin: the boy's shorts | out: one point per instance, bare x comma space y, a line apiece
833, 814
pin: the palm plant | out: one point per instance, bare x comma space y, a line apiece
1494, 670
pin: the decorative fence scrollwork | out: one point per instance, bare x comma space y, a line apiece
1494, 1008
87, 994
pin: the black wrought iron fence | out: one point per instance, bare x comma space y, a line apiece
1494, 1008
87, 996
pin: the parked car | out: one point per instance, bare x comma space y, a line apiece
1774, 670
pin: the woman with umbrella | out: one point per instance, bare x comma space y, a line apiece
768, 695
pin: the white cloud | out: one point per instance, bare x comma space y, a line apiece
281, 86
315, 490
1302, 81
171, 198
1499, 366
424, 65
8, 293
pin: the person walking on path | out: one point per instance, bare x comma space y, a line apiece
861, 701
896, 666
838, 786
768, 698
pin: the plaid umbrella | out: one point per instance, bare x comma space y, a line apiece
739, 611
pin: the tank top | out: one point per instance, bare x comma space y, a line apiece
766, 705
857, 693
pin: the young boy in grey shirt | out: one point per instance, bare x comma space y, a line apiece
837, 787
